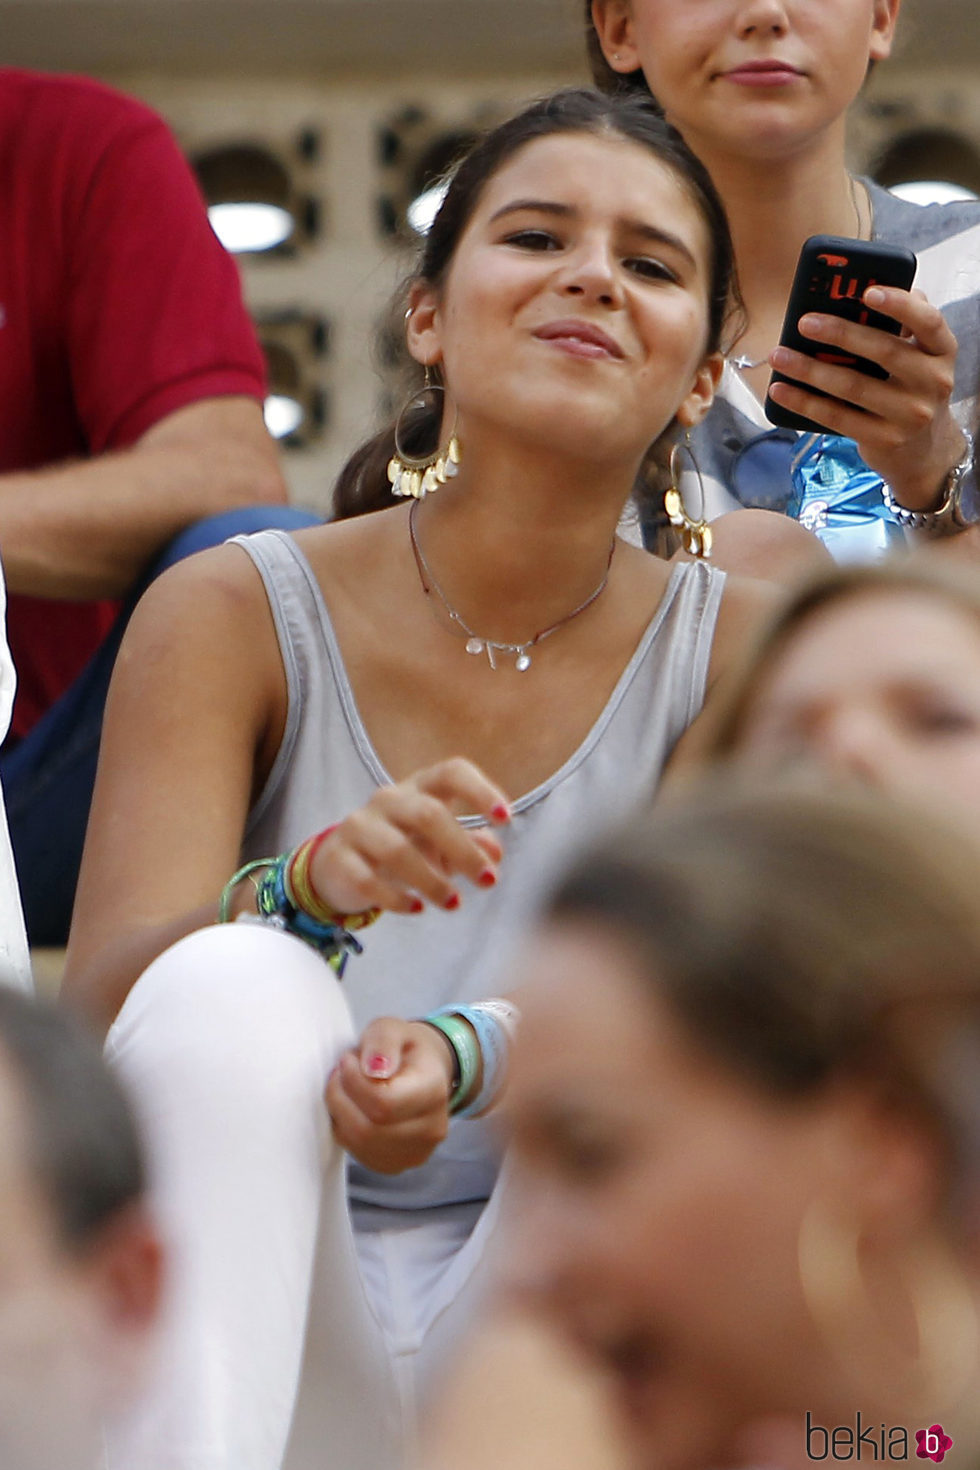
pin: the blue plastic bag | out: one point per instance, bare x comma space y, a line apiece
838, 498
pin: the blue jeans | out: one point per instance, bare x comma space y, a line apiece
48, 777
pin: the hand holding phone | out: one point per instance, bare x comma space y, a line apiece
832, 276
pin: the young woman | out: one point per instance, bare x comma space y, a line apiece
453, 696
760, 90
745, 1122
899, 712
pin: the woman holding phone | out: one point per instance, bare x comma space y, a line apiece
760, 89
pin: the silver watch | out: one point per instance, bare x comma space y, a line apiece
946, 519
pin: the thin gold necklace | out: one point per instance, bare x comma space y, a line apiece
476, 643
741, 362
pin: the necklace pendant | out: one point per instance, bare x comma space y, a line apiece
475, 645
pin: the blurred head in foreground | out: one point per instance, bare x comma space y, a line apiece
871, 673
746, 1125
79, 1262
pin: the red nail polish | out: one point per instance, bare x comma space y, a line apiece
453, 901
500, 813
417, 906
378, 1066
487, 878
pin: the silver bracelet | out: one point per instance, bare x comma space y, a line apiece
946, 519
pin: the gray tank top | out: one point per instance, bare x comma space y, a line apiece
327, 766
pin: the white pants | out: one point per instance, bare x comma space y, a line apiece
280, 1347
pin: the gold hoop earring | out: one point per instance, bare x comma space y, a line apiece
416, 475
695, 534
855, 1333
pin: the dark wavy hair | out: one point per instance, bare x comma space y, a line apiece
363, 482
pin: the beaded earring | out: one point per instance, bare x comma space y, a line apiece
416, 475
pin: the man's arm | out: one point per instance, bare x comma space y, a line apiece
86, 529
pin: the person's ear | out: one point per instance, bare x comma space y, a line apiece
892, 1162
701, 394
884, 21
423, 324
613, 21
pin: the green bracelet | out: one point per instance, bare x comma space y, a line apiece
224, 902
466, 1049
275, 905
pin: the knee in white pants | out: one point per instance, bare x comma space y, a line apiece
242, 1013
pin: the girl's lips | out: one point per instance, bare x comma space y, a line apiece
576, 347
762, 74
580, 339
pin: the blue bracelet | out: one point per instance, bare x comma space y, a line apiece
493, 1035
275, 905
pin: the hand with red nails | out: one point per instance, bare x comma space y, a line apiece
388, 1097
406, 846
903, 426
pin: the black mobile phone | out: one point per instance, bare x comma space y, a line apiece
832, 275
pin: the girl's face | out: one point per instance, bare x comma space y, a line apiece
574, 313
657, 1205
883, 686
753, 77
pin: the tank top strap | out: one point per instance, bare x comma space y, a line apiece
305, 637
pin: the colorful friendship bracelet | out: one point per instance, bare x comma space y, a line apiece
303, 895
275, 905
284, 896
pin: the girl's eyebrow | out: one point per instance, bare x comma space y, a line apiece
646, 231
540, 206
658, 236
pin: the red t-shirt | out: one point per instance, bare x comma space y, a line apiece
117, 307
